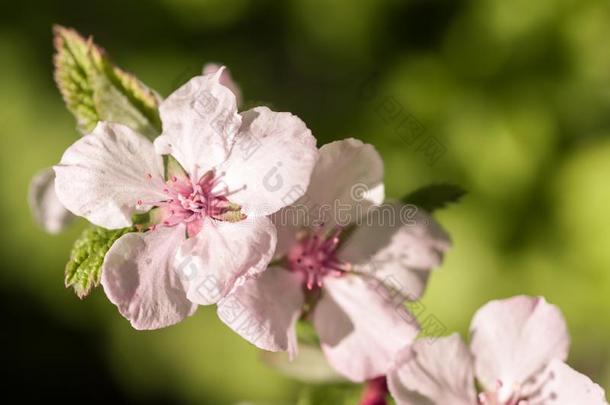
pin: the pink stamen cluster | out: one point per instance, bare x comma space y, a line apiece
189, 202
315, 256
528, 394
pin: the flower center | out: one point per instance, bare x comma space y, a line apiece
189, 202
529, 393
315, 256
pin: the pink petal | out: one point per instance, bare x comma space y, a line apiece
398, 245
225, 79
271, 162
569, 387
360, 330
433, 371
48, 211
224, 254
288, 224
265, 310
103, 175
348, 173
139, 278
512, 339
200, 122
347, 180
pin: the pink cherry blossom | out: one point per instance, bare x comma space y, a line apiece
517, 354
351, 283
209, 212
48, 211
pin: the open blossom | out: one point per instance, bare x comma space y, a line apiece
517, 354
351, 283
46, 208
209, 210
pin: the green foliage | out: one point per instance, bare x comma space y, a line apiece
94, 89
434, 196
83, 269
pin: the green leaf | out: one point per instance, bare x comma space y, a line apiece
96, 90
434, 196
83, 270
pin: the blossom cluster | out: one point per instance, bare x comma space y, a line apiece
229, 198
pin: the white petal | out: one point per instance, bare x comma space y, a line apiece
265, 310
433, 371
346, 182
360, 330
103, 175
48, 211
568, 387
200, 122
286, 221
399, 245
512, 339
225, 79
139, 278
224, 254
271, 162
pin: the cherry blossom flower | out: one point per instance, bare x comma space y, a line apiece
46, 208
350, 279
209, 205
517, 354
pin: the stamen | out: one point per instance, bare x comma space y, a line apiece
315, 255
188, 201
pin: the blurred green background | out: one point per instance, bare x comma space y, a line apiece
515, 94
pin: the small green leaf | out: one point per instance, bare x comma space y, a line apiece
96, 90
434, 196
83, 270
